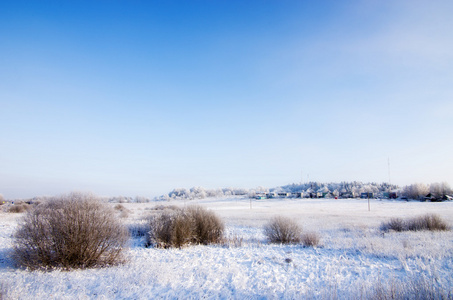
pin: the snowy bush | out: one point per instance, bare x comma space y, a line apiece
208, 226
124, 212
18, 208
160, 230
165, 207
429, 222
282, 230
71, 231
119, 207
179, 227
395, 224
310, 239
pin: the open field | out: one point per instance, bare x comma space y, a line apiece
353, 260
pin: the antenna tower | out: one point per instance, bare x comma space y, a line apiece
388, 161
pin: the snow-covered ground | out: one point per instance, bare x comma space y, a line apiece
353, 257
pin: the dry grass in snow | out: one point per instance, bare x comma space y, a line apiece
353, 258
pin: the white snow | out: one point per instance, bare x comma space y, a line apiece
353, 256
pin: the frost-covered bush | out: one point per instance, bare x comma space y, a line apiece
427, 222
120, 207
165, 207
179, 227
124, 212
395, 224
171, 228
310, 239
282, 230
71, 231
208, 226
430, 222
18, 208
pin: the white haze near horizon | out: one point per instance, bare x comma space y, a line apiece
138, 99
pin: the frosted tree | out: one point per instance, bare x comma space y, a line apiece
416, 191
440, 190
179, 193
198, 192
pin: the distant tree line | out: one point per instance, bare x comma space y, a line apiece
333, 189
354, 189
437, 191
201, 193
434, 191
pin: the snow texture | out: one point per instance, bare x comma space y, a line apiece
353, 257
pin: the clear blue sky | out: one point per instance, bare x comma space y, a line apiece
140, 97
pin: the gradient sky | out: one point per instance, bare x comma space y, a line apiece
140, 97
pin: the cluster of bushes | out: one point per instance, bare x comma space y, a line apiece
427, 222
199, 192
283, 230
79, 231
179, 227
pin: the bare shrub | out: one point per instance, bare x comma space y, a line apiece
120, 207
184, 230
165, 207
159, 233
430, 222
427, 222
208, 226
124, 212
180, 227
310, 239
396, 224
170, 229
71, 231
18, 208
282, 230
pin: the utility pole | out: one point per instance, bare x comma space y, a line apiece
369, 202
390, 184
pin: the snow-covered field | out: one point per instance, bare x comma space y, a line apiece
353, 258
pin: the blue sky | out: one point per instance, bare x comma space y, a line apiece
140, 97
